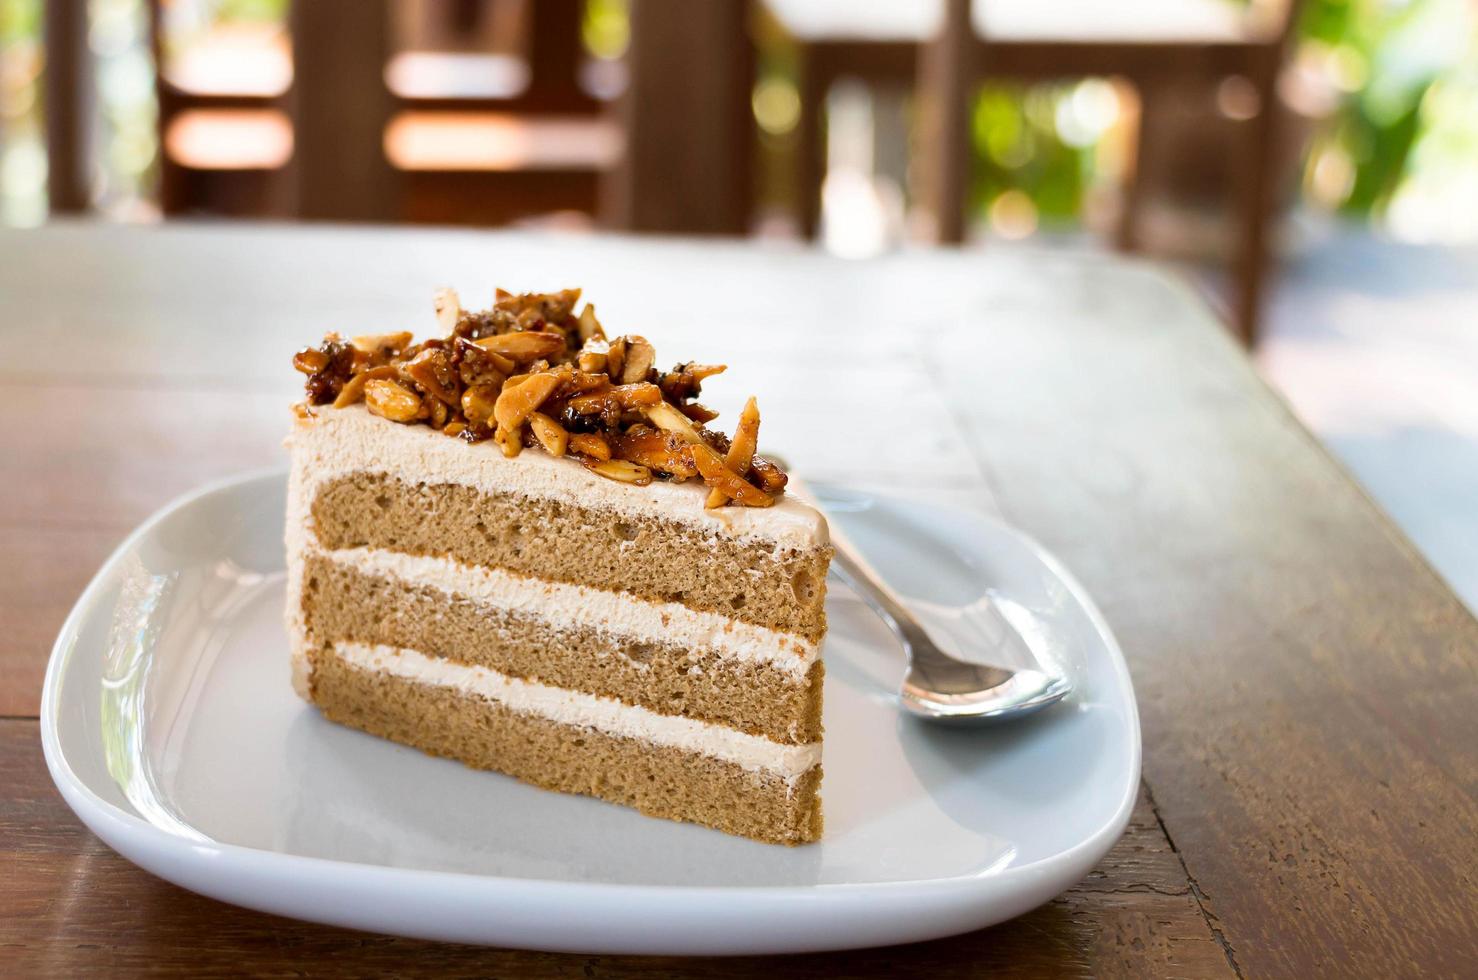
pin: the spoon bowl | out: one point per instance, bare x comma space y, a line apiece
942, 688
1014, 694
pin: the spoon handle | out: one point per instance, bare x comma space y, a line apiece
853, 569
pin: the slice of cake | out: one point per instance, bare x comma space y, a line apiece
521, 546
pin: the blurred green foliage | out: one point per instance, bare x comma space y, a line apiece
1382, 58
606, 28
250, 11
1018, 145
19, 19
1385, 57
22, 151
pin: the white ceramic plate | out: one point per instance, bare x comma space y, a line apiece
170, 727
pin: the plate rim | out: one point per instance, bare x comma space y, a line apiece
158, 851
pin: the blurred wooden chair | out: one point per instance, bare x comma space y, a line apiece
225, 136
415, 110
399, 120
500, 130
686, 123
1155, 44
67, 82
448, 111
672, 154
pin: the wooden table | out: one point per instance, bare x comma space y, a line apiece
1308, 687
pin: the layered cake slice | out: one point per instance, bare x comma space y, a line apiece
521, 546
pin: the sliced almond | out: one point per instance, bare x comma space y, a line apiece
524, 346
669, 419
741, 449
448, 308
532, 307
518, 402
478, 402
772, 478
686, 380
592, 362
589, 444
310, 360
392, 400
640, 356
551, 435
510, 439
620, 469
589, 326
616, 357
642, 395
432, 370
719, 476
478, 366
584, 381
383, 344
700, 414
353, 389
655, 449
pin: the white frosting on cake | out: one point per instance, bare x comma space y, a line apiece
338, 442
752, 752
578, 607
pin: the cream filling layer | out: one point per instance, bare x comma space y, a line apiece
582, 710
580, 607
337, 442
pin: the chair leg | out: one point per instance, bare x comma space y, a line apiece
810, 146
1257, 204
69, 104
946, 73
1131, 211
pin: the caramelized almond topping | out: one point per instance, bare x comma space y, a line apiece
392, 400
310, 361
353, 390
620, 469
771, 477
732, 485
741, 449
640, 356
669, 419
383, 345
518, 402
616, 357
551, 435
589, 326
530, 372
593, 362
587, 444
661, 451
432, 370
525, 346
448, 308
478, 402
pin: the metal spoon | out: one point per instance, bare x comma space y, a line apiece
939, 687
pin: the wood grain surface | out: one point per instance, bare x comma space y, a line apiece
1307, 685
